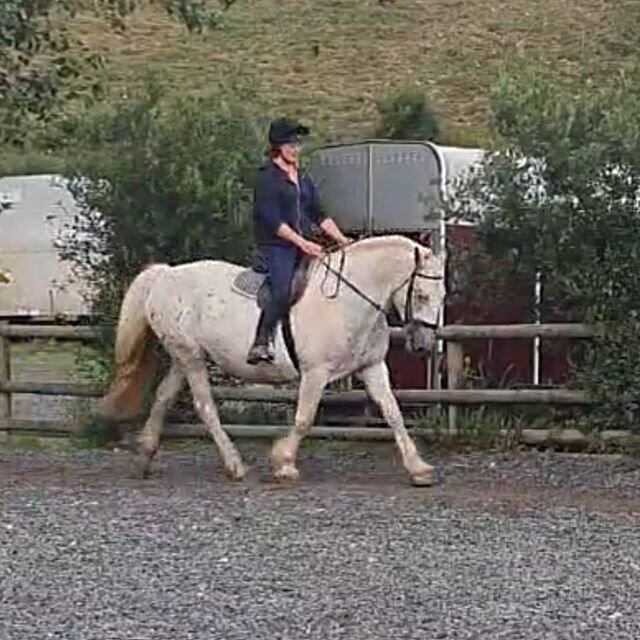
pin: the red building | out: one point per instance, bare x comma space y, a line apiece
494, 363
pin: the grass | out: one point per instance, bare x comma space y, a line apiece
28, 162
483, 428
48, 361
329, 61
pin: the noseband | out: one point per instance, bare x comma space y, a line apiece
409, 281
408, 304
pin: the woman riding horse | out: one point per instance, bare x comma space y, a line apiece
286, 206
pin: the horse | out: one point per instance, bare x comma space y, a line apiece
197, 311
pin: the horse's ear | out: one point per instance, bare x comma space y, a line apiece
425, 238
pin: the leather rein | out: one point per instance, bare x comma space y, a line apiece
410, 279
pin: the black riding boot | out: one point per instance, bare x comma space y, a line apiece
262, 350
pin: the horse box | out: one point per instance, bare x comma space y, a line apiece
35, 283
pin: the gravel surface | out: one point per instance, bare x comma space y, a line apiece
522, 545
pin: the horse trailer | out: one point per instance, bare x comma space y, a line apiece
35, 283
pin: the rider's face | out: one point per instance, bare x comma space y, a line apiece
290, 152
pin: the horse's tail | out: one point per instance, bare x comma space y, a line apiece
136, 360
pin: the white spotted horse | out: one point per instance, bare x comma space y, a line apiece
202, 310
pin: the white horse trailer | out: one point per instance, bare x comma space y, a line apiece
35, 283
389, 186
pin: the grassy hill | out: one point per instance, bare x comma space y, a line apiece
329, 60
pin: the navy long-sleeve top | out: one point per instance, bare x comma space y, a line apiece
277, 199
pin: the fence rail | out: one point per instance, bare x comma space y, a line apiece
453, 396
452, 332
258, 393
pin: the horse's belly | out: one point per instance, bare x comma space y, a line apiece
262, 373
227, 333
233, 362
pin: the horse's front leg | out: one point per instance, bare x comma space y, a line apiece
378, 385
197, 378
285, 450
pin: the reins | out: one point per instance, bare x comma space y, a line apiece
342, 279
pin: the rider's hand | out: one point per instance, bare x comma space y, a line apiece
345, 242
312, 249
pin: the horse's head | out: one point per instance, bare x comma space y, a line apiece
420, 299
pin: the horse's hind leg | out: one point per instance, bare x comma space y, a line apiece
149, 438
198, 379
285, 450
376, 381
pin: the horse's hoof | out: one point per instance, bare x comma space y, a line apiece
145, 467
422, 479
287, 473
236, 470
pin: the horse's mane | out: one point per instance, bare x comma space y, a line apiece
378, 242
392, 242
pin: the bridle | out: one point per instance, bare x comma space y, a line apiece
409, 281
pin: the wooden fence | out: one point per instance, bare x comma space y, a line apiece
453, 396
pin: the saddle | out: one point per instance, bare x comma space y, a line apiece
252, 283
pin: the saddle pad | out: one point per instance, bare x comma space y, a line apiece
248, 282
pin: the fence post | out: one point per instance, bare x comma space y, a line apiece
5, 377
455, 366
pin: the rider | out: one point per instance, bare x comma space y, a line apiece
286, 205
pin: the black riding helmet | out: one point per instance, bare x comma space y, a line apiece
285, 131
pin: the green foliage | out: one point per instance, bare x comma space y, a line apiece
408, 116
158, 180
36, 68
561, 196
43, 67
15, 161
197, 15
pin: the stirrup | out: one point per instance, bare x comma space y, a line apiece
260, 353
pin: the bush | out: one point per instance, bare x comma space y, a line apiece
561, 196
158, 179
408, 116
27, 161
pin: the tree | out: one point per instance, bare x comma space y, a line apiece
158, 180
39, 70
408, 115
561, 195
